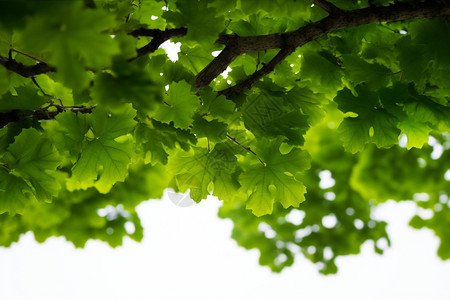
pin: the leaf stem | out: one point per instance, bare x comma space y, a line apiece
5, 167
246, 148
43, 92
27, 55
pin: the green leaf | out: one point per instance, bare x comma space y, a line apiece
355, 131
55, 89
198, 173
71, 131
201, 20
435, 35
217, 106
385, 131
416, 132
152, 144
424, 109
359, 70
294, 9
265, 116
128, 83
378, 45
181, 105
33, 158
157, 138
226, 187
413, 61
106, 154
214, 130
110, 125
194, 58
308, 102
323, 75
74, 37
27, 98
275, 180
198, 169
15, 193
393, 98
102, 163
147, 12
259, 24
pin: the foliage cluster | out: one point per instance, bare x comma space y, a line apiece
96, 118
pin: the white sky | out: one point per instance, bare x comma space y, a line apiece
187, 253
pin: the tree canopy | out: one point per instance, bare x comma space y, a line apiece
301, 115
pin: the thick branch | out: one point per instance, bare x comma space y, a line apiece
217, 66
159, 37
290, 40
26, 71
40, 114
327, 6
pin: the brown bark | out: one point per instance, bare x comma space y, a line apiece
24, 70
159, 37
255, 77
40, 114
327, 6
286, 42
338, 19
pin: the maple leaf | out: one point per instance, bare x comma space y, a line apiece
275, 180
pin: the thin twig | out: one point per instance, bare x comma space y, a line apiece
27, 55
256, 76
246, 148
41, 113
43, 92
5, 167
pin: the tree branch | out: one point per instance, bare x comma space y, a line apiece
217, 66
327, 6
41, 113
236, 45
255, 77
23, 70
159, 37
10, 64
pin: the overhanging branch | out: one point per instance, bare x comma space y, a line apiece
338, 19
255, 77
41, 113
159, 37
327, 6
24, 70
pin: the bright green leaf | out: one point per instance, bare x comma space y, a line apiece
180, 106
269, 182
